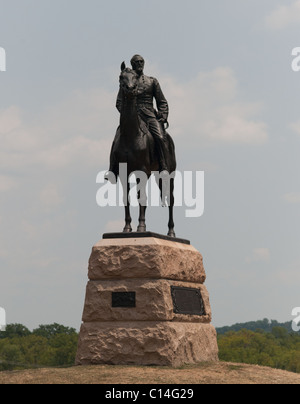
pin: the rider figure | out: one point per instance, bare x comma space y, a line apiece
148, 88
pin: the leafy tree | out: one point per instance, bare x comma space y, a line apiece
64, 349
36, 351
10, 356
49, 345
277, 349
51, 330
15, 330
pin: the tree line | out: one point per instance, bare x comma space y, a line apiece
277, 349
264, 325
47, 346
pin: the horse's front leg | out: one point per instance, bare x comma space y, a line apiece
127, 228
142, 198
128, 220
142, 220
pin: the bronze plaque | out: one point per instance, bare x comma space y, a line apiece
123, 299
187, 301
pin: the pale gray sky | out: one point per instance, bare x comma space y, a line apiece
225, 68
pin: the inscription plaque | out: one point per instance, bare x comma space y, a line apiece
123, 299
187, 301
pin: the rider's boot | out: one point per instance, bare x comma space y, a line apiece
163, 168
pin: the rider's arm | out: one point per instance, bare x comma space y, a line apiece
161, 102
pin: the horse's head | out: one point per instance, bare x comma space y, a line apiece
128, 80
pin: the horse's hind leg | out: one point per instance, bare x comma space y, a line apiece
142, 198
167, 195
127, 228
171, 208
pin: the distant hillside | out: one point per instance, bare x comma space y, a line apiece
265, 325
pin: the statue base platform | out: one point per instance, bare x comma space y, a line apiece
146, 304
146, 234
146, 344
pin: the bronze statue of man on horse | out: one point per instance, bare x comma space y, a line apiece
141, 140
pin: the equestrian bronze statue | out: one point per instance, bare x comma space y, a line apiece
141, 141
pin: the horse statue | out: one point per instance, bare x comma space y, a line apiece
135, 146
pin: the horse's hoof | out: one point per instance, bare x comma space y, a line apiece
172, 234
141, 229
127, 230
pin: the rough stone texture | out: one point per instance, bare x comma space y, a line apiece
146, 343
153, 301
146, 258
150, 333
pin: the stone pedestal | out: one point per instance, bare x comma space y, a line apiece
146, 304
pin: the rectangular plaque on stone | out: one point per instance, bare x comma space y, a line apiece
187, 301
123, 299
